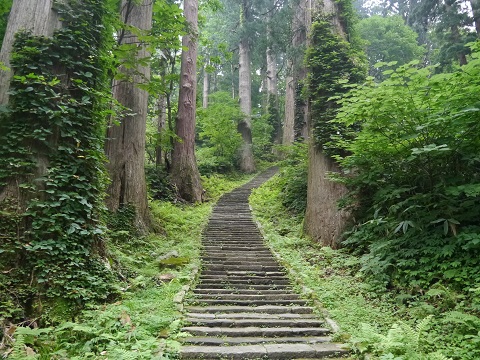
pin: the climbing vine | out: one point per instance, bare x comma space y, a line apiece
52, 177
332, 62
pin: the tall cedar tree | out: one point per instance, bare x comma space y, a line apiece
185, 173
323, 221
125, 146
245, 92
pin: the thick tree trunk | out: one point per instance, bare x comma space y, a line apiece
324, 222
206, 85
35, 16
125, 145
245, 94
185, 173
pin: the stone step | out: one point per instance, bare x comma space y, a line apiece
240, 291
256, 331
265, 309
266, 271
232, 280
250, 315
216, 341
236, 287
251, 302
237, 323
237, 259
245, 276
222, 263
238, 254
280, 351
235, 248
248, 297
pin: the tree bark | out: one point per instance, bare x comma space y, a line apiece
289, 120
36, 16
324, 222
475, 4
160, 154
272, 89
247, 163
125, 145
245, 94
294, 125
185, 173
206, 85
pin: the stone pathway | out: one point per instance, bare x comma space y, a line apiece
243, 306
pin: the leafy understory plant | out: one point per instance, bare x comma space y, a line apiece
402, 341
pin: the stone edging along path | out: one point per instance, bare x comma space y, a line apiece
243, 306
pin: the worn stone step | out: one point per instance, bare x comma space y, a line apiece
234, 248
217, 341
252, 297
225, 280
247, 273
240, 291
258, 267
251, 302
239, 263
250, 315
280, 351
236, 287
298, 323
256, 331
236, 260
266, 309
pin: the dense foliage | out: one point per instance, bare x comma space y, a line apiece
413, 176
51, 141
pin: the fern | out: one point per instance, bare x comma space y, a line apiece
402, 342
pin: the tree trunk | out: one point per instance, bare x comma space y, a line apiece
272, 92
185, 173
160, 154
324, 222
247, 163
125, 145
206, 84
475, 4
245, 94
295, 112
36, 16
289, 120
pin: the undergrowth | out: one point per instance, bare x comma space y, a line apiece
382, 325
145, 322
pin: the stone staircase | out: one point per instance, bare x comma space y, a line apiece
243, 307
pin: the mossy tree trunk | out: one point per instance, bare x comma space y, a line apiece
324, 222
125, 145
185, 173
